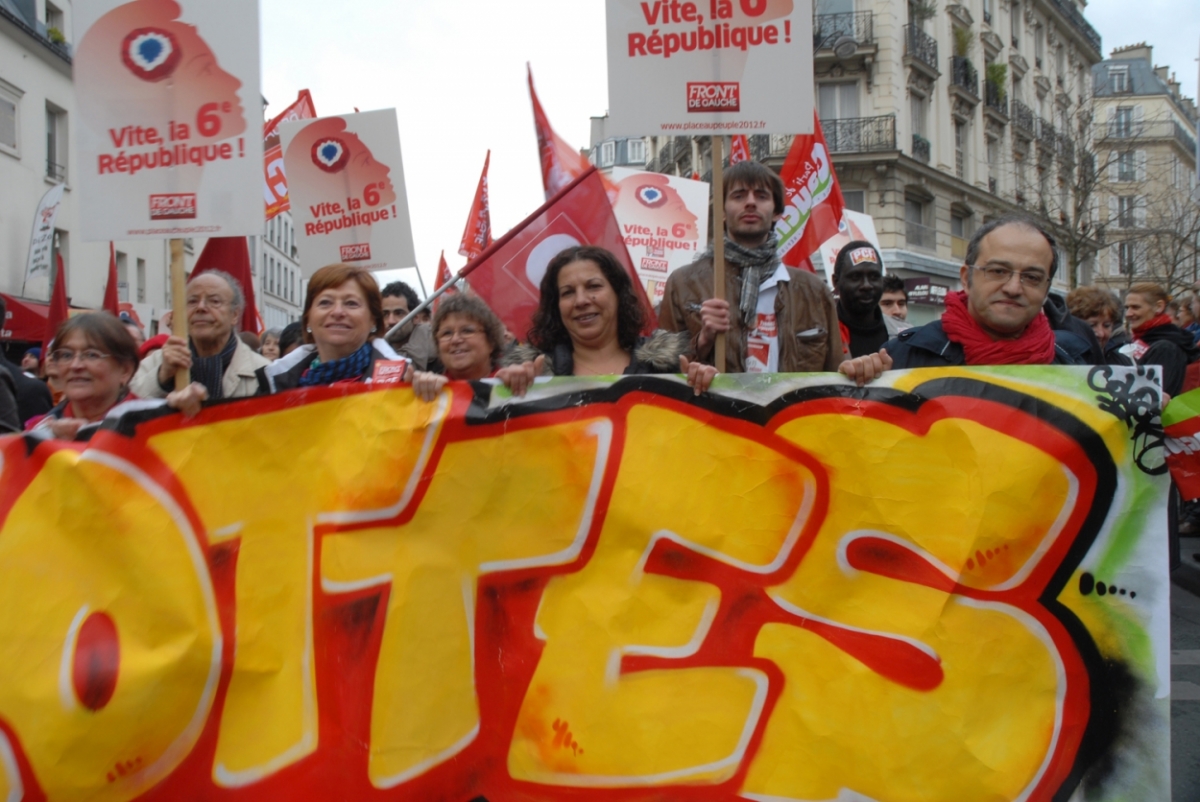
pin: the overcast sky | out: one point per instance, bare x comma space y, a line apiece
455, 72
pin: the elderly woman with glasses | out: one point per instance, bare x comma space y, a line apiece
96, 358
469, 340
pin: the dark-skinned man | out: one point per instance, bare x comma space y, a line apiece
776, 319
858, 279
998, 319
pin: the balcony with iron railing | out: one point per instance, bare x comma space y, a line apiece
860, 134
56, 172
1047, 135
1065, 150
964, 77
830, 29
994, 100
1081, 25
1125, 128
920, 148
921, 48
920, 236
1023, 119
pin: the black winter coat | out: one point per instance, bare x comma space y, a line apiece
928, 347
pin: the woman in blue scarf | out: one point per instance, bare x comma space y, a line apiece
343, 328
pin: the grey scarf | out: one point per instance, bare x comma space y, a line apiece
757, 265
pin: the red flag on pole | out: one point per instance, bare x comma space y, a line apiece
275, 192
507, 275
232, 255
813, 206
739, 150
444, 276
561, 163
477, 236
59, 311
111, 302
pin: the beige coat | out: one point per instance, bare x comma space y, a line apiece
239, 380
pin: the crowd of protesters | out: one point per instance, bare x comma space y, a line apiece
590, 321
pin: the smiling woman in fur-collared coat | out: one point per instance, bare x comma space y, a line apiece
589, 322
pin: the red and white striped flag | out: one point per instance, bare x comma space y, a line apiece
739, 151
477, 236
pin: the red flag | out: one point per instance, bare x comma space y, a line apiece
477, 236
111, 302
813, 208
444, 277
275, 181
232, 255
561, 163
59, 311
739, 151
507, 275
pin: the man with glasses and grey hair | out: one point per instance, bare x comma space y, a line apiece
1002, 317
215, 355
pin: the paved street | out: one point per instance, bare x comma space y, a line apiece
1185, 676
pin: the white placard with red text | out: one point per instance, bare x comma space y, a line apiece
709, 67
664, 223
346, 182
169, 119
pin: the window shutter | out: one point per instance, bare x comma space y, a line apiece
8, 123
1140, 159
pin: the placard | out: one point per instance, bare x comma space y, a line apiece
709, 67
346, 182
170, 110
664, 223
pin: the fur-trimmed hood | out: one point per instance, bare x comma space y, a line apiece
657, 353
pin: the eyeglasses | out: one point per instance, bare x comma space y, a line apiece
446, 335
999, 274
65, 356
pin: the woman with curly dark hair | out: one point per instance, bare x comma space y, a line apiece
589, 323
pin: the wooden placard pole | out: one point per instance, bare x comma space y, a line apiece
718, 192
179, 321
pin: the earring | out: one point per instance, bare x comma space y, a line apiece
309, 329
374, 329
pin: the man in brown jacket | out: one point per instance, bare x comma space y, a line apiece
777, 320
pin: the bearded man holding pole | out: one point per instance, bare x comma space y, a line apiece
776, 319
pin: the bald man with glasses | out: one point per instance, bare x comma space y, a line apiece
1005, 316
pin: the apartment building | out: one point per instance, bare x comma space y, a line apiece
1145, 144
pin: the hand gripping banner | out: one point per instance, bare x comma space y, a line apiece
948, 585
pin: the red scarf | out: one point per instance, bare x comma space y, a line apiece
1035, 346
1152, 323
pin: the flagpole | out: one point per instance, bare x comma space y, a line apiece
718, 191
486, 254
179, 321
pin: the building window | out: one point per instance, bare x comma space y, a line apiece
56, 143
960, 233
987, 11
9, 97
54, 19
993, 162
919, 106
1126, 166
141, 281
1126, 206
838, 101
960, 150
1039, 45
917, 233
1121, 122
122, 276
635, 150
1015, 21
856, 200
1060, 64
1126, 255
608, 151
1118, 79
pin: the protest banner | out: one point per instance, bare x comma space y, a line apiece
41, 245
949, 585
346, 181
664, 223
169, 106
853, 226
709, 67
275, 191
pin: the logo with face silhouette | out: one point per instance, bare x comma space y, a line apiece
330, 154
151, 53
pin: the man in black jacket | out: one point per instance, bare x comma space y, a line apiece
33, 396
